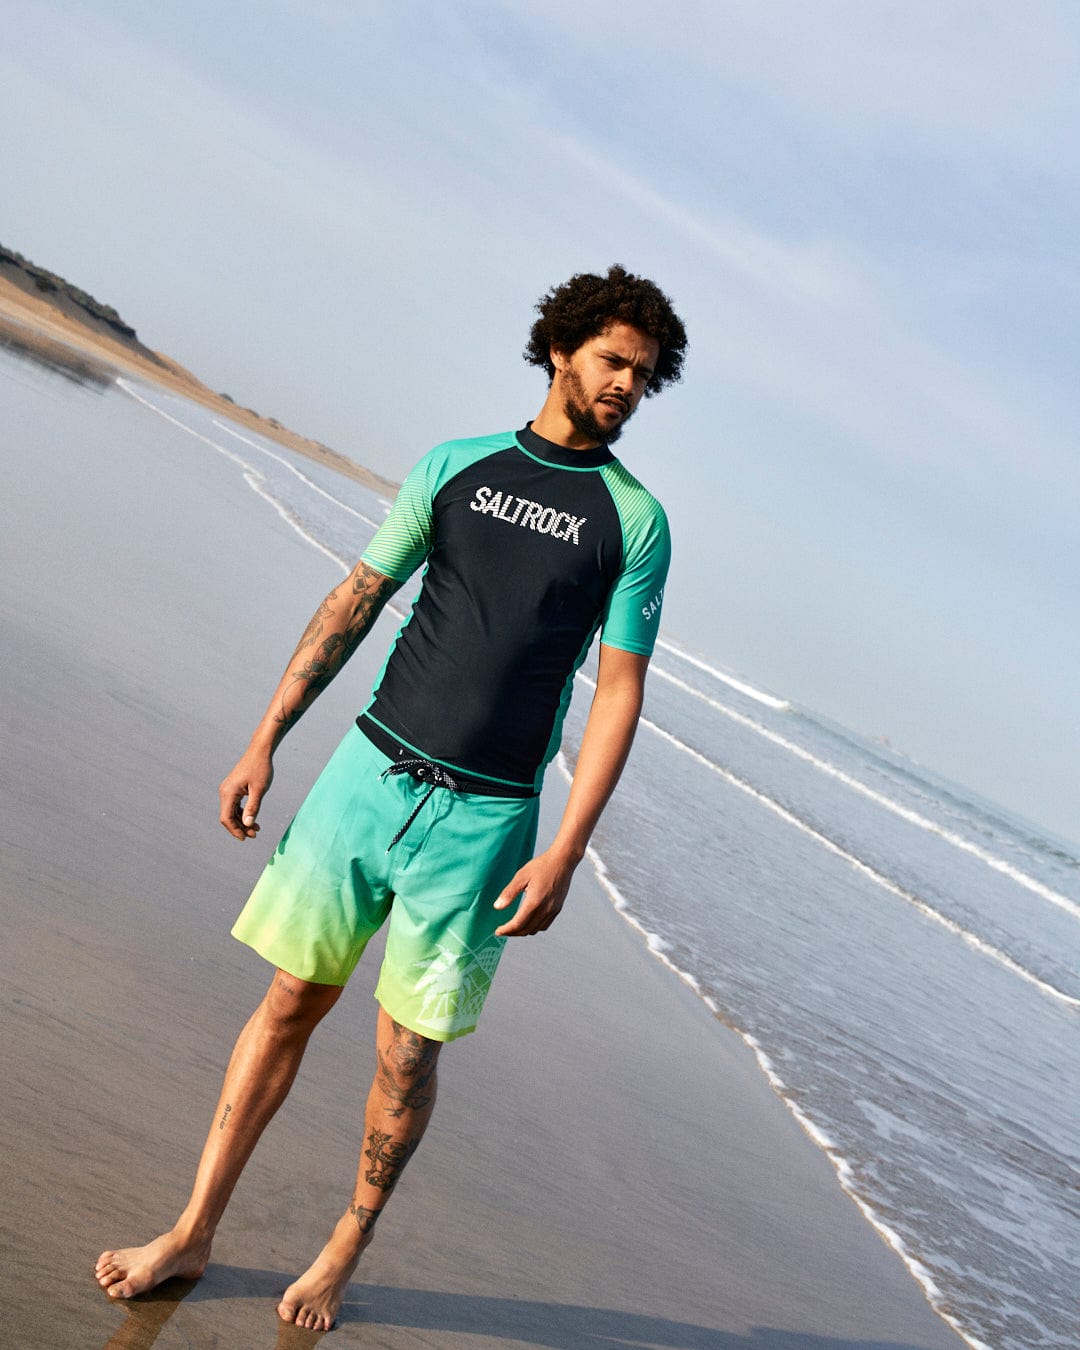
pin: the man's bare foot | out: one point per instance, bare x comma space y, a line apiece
314, 1299
134, 1270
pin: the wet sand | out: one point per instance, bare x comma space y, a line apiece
606, 1166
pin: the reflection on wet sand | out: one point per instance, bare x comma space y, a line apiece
146, 1315
57, 357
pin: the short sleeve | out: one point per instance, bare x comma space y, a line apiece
631, 617
403, 540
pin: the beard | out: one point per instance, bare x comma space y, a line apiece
581, 416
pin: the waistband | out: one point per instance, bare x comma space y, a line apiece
463, 782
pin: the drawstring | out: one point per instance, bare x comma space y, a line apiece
427, 772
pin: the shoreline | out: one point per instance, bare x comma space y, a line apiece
45, 331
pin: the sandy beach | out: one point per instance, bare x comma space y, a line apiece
607, 1165
61, 333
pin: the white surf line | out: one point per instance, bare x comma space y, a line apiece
230, 431
251, 475
780, 704
972, 940
912, 817
846, 1176
655, 943
844, 1172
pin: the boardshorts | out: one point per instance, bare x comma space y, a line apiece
333, 881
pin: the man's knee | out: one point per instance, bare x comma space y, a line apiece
293, 1004
407, 1063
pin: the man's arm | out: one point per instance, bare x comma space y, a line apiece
544, 881
335, 631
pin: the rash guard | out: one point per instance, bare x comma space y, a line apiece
528, 548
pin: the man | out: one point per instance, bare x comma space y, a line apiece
426, 813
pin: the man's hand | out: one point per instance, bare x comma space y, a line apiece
542, 885
251, 779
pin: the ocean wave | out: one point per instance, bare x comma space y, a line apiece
879, 798
657, 945
844, 1171
309, 482
878, 878
769, 700
846, 1176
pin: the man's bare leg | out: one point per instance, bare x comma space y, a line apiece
399, 1107
264, 1062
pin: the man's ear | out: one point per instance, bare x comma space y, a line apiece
558, 358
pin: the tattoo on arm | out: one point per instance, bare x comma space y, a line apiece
315, 627
365, 1218
370, 592
225, 1116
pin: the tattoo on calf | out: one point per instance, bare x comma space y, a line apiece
388, 1157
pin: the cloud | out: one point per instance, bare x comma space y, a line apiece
949, 78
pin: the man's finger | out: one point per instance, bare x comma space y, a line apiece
251, 810
511, 892
524, 923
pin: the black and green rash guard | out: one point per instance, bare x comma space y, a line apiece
529, 549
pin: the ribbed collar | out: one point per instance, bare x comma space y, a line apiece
550, 453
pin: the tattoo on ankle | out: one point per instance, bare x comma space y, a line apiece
225, 1116
365, 1218
388, 1158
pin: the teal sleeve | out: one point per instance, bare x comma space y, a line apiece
632, 615
403, 540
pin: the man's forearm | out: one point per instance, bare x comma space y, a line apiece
336, 629
541, 886
605, 745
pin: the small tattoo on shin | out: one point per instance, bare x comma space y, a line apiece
225, 1116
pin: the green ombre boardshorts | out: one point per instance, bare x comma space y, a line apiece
333, 881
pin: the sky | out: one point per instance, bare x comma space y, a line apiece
342, 213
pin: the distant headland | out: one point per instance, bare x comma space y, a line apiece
45, 317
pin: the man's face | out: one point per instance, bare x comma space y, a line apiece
602, 383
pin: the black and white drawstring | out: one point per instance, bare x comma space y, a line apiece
427, 772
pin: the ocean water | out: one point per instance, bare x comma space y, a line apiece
900, 954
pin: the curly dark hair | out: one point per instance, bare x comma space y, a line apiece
583, 307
